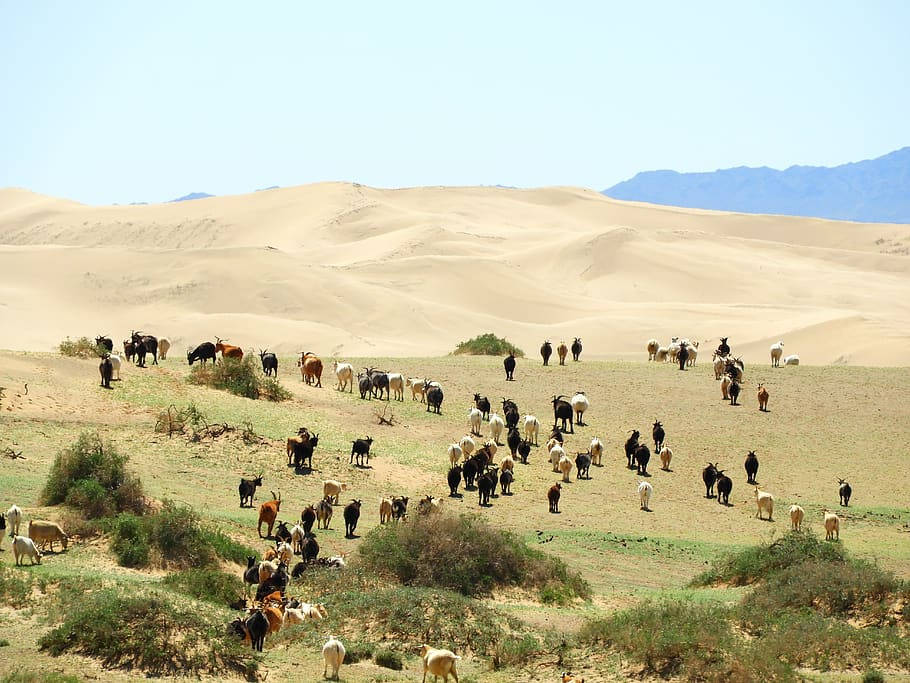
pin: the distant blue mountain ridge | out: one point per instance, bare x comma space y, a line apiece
191, 196
875, 190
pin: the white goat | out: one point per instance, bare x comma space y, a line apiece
24, 547
720, 364
556, 453
597, 450
496, 426
653, 345
396, 385
418, 389
455, 453
765, 503
832, 526
14, 519
344, 373
796, 517
565, 466
791, 360
467, 446
580, 404
644, 495
532, 429
777, 350
666, 455
438, 663
333, 653
476, 419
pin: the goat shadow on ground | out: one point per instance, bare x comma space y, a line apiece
303, 470
363, 467
647, 510
456, 495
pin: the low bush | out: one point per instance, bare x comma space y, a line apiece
130, 541
388, 659
759, 562
241, 377
211, 585
487, 345
91, 476
146, 632
83, 347
358, 652
873, 676
467, 555
15, 587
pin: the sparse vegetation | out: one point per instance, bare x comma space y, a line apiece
388, 659
467, 555
487, 345
211, 585
83, 347
240, 377
91, 476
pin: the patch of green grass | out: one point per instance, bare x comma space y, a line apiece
468, 555
487, 345
388, 659
83, 347
227, 548
15, 587
758, 562
36, 677
211, 585
147, 632
873, 676
91, 476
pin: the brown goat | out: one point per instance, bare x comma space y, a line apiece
763, 398
553, 497
310, 368
268, 513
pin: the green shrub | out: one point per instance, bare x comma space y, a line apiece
464, 554
130, 541
487, 345
759, 562
388, 659
15, 587
211, 585
4, 642
272, 390
93, 472
873, 676
81, 348
358, 652
241, 377
146, 632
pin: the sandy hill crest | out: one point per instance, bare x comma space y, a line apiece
366, 271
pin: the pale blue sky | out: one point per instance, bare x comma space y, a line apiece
125, 101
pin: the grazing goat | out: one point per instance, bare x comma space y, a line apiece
832, 526
203, 353
583, 466
597, 450
630, 446
653, 346
228, 350
709, 476
791, 360
844, 492
454, 479
563, 411
434, 399
333, 653
553, 497
777, 350
43, 532
25, 547
268, 513
662, 355
331, 489
438, 663
644, 495
724, 488
310, 368
580, 404
482, 403
765, 503
247, 489
496, 426
751, 466
796, 517
106, 368
657, 432
269, 363
475, 417
576, 349
546, 350
344, 374
763, 396
361, 450
666, 455
351, 515
509, 365
562, 350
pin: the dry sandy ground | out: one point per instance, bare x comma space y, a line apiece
347, 269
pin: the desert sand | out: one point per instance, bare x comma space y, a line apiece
344, 269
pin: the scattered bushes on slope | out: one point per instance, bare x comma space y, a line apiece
211, 585
241, 377
81, 348
487, 345
467, 555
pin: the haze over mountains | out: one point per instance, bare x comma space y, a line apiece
353, 270
875, 190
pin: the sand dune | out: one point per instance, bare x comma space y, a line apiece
346, 269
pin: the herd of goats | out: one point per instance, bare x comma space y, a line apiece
471, 464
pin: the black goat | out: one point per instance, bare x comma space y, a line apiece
469, 472
105, 343
734, 392
482, 403
682, 356
524, 450
583, 466
562, 410
351, 515
251, 573
202, 353
106, 368
308, 518
844, 491
282, 533
365, 385
631, 445
247, 489
269, 363
380, 383
310, 547
556, 434
513, 440
256, 626
399, 507
454, 479
576, 349
723, 349
709, 476
486, 485
724, 487
361, 449
546, 350
303, 453
129, 349
276, 582
642, 458
657, 431
505, 482
751, 466
150, 343
434, 399
509, 365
